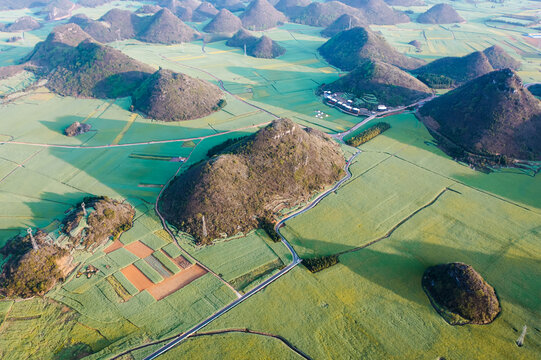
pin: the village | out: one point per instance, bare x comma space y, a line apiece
339, 101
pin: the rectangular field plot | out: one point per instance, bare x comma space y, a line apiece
148, 271
176, 282
136, 277
158, 266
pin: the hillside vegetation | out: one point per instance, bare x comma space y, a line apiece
33, 271
170, 96
440, 14
460, 295
491, 115
166, 28
351, 48
377, 12
263, 47
261, 15
224, 22
162, 27
25, 23
390, 85
279, 167
75, 65
324, 14
452, 71
344, 22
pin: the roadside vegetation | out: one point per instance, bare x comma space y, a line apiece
368, 134
319, 263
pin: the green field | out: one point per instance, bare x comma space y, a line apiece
370, 305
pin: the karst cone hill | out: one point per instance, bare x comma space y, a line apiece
279, 167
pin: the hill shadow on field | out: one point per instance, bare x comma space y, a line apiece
515, 278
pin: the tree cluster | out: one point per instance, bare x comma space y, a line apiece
368, 134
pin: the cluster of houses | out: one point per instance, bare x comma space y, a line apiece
347, 106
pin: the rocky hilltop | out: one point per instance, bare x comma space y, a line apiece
261, 15
279, 167
162, 27
377, 12
324, 14
350, 48
344, 22
170, 96
76, 65
25, 23
452, 71
440, 14
224, 22
166, 28
492, 115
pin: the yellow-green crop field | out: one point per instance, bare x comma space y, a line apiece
371, 305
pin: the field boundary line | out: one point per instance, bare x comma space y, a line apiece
399, 224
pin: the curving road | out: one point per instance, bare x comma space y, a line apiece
295, 261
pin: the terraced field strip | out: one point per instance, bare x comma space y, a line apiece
130, 122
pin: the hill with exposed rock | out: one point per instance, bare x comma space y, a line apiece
166, 28
492, 115
279, 167
350, 48
224, 22
460, 294
344, 22
75, 65
452, 71
440, 14
170, 96
390, 85
261, 15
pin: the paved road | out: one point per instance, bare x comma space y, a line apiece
295, 261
